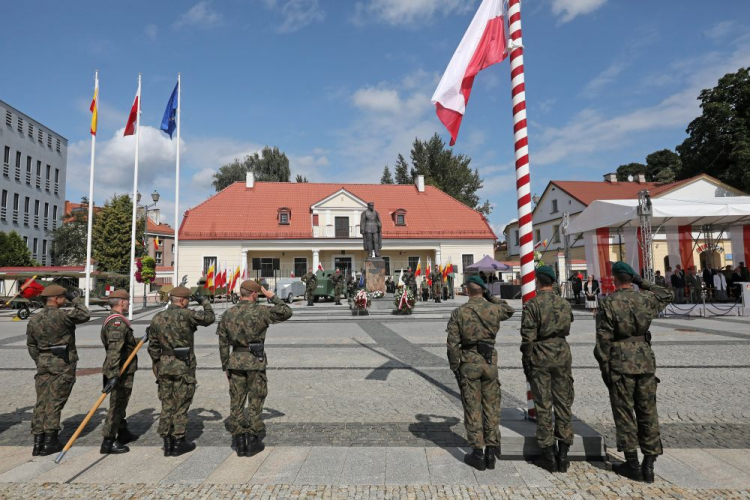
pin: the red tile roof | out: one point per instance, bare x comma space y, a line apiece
154, 228
239, 212
589, 191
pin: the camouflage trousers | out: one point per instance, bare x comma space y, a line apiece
436, 291
552, 388
480, 395
118, 404
251, 387
339, 291
633, 399
53, 382
176, 394
309, 294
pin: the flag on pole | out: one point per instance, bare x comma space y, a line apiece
428, 272
447, 269
244, 272
320, 267
169, 121
541, 243
130, 126
418, 271
156, 243
209, 278
401, 278
484, 44
95, 110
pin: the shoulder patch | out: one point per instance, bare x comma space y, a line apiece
117, 323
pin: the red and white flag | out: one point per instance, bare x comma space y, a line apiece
320, 267
484, 44
130, 126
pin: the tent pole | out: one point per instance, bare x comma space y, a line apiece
645, 211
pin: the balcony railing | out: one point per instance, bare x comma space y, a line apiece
330, 232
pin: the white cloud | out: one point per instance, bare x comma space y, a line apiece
403, 12
378, 100
151, 31
720, 30
567, 10
200, 15
296, 14
606, 77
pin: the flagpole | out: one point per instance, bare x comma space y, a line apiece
89, 232
177, 191
135, 200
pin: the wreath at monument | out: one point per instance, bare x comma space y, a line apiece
377, 294
361, 303
404, 301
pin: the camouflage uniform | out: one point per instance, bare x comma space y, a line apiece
411, 283
478, 321
54, 377
437, 284
628, 364
171, 329
244, 324
351, 285
546, 357
338, 285
117, 337
311, 283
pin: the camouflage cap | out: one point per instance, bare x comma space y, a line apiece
250, 286
622, 267
53, 291
477, 281
181, 292
119, 294
547, 271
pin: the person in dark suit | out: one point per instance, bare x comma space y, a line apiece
678, 284
577, 285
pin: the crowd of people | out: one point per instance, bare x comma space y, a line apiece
715, 283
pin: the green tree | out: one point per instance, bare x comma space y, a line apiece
301, 178
444, 170
387, 178
623, 171
14, 252
228, 174
271, 165
662, 166
718, 141
111, 235
69, 240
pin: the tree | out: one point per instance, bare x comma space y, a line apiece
229, 174
301, 178
623, 171
387, 178
14, 252
718, 142
69, 240
270, 166
111, 235
662, 166
444, 170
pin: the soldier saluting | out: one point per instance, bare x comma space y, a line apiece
171, 340
119, 342
628, 365
547, 364
311, 283
51, 341
243, 328
338, 283
473, 360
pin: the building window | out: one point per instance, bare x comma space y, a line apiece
315, 220
556, 233
26, 241
46, 215
20, 124
15, 207
399, 217
31, 131
28, 170
387, 265
554, 206
6, 162
537, 235
44, 251
36, 213
36, 247
46, 183
300, 266
8, 119
38, 173
266, 266
54, 216
4, 205
26, 211
58, 146
40, 136
49, 141
158, 258
284, 215
413, 261
172, 248
57, 180
18, 165
207, 263
467, 260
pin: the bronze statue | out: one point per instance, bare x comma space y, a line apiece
370, 228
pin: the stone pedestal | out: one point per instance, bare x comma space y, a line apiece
374, 274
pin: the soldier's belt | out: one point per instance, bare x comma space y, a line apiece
181, 353
551, 340
641, 338
484, 349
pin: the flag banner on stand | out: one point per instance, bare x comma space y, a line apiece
418, 271
209, 278
428, 272
169, 121
740, 238
320, 267
156, 243
130, 126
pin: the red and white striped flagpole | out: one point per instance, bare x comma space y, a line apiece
523, 177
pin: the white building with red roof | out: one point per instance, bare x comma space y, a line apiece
282, 229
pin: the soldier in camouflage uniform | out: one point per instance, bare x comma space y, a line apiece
437, 284
51, 340
628, 365
351, 285
311, 283
171, 339
472, 329
411, 282
118, 340
338, 285
243, 328
547, 364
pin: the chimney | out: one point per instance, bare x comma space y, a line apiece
611, 178
155, 215
641, 178
419, 182
250, 179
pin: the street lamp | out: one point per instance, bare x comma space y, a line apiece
535, 199
155, 198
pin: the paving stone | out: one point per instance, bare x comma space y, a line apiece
719, 471
238, 470
406, 466
447, 466
323, 465
364, 466
198, 466
281, 466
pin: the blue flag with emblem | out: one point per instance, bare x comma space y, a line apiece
169, 122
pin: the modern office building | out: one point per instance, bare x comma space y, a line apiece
32, 181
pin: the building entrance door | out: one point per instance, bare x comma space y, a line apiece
342, 227
343, 263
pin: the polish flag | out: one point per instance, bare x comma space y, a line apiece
130, 126
484, 44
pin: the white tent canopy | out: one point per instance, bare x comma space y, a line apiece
731, 211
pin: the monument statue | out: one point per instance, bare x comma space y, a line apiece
370, 228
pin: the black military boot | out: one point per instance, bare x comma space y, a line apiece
240, 445
168, 445
630, 468
647, 468
562, 456
254, 445
112, 446
181, 447
51, 444
490, 455
547, 461
38, 443
476, 459
124, 436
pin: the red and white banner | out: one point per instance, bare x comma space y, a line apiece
680, 246
596, 245
631, 237
484, 44
740, 238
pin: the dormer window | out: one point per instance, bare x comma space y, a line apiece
399, 217
285, 215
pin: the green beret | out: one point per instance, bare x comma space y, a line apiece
250, 286
181, 292
547, 271
622, 267
53, 291
477, 281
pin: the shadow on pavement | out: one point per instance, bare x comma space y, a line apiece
438, 429
8, 420
70, 424
197, 421
140, 422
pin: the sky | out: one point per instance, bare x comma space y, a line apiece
344, 86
